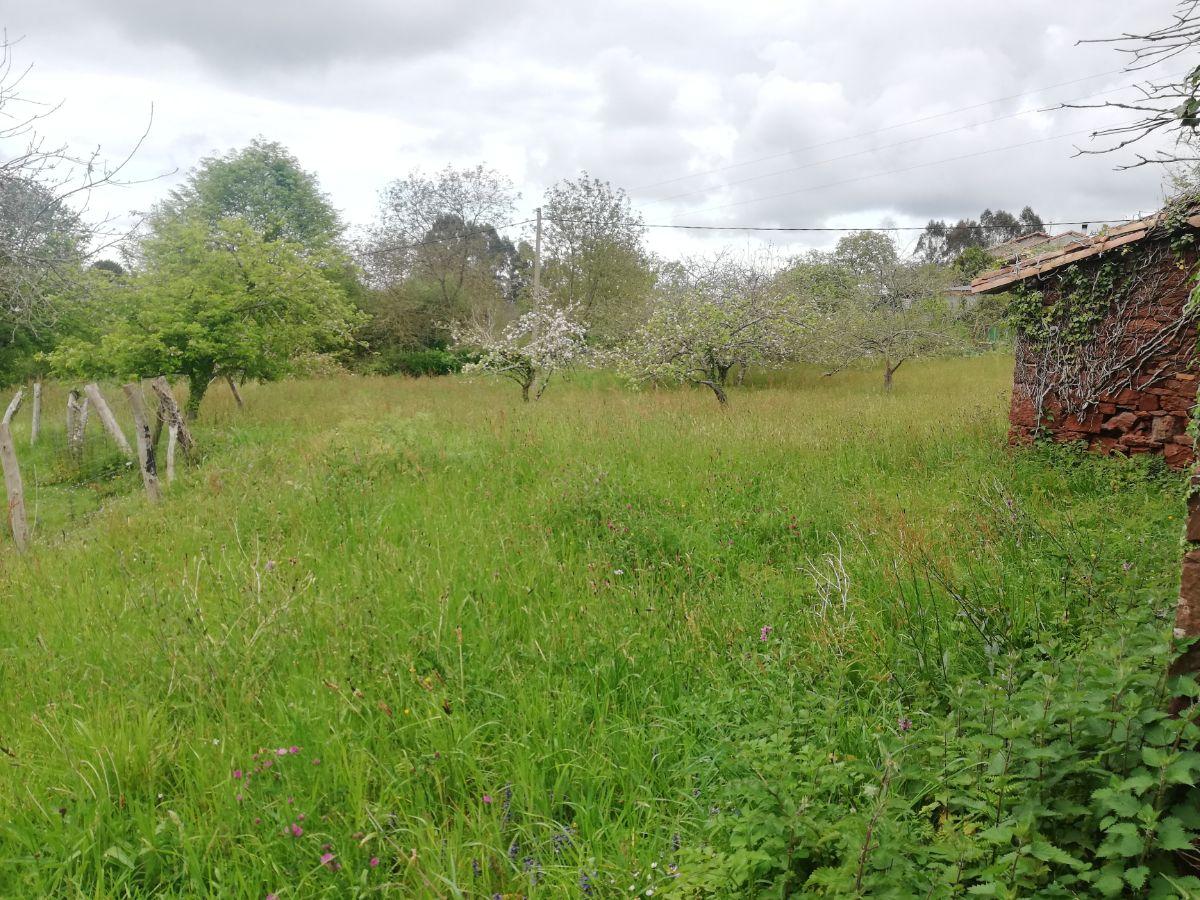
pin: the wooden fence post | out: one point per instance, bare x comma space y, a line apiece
12, 478
173, 415
35, 426
14, 405
144, 447
106, 416
237, 395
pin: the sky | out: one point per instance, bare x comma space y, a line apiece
837, 113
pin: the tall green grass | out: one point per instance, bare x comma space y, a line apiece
508, 640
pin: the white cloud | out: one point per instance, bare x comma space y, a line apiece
637, 92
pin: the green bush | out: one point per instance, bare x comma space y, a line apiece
416, 363
1062, 775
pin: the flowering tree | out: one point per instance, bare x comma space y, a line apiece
530, 350
716, 315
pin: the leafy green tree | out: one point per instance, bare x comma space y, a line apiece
942, 244
595, 260
262, 184
215, 300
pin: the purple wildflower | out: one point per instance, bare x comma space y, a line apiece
487, 799
905, 723
476, 869
237, 774
374, 861
765, 632
296, 830
329, 860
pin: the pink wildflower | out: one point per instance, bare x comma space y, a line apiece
328, 859
487, 798
282, 751
374, 862
765, 632
237, 774
272, 897
297, 831
293, 749
316, 762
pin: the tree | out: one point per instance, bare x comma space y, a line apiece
895, 310
717, 314
262, 184
441, 229
595, 261
214, 300
45, 243
942, 244
531, 350
1168, 105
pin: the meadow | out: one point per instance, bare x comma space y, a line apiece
412, 637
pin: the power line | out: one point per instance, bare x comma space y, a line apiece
870, 150
912, 168
487, 229
875, 131
896, 228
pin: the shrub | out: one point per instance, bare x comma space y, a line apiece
417, 363
1062, 775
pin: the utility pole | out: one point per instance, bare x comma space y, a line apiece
537, 256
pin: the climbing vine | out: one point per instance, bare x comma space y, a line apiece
1087, 329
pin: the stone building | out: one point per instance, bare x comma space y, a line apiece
1106, 337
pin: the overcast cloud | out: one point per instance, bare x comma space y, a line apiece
674, 100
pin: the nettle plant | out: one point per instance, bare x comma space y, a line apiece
539, 344
1062, 775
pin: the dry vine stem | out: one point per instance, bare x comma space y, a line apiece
1077, 375
12, 477
106, 416
144, 446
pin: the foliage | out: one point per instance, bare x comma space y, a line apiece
595, 260
1061, 774
895, 310
214, 300
539, 344
263, 185
943, 244
442, 598
441, 231
427, 362
721, 313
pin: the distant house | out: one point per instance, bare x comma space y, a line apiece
1106, 337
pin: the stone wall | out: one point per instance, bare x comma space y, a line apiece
1149, 410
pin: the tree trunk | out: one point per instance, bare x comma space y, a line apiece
237, 395
888, 371
106, 416
719, 389
525, 385
197, 385
145, 449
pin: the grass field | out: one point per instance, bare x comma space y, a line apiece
473, 647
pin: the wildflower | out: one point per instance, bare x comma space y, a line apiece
272, 897
257, 820
765, 632
293, 749
316, 762
514, 850
618, 571
270, 565
296, 830
374, 861
675, 842
282, 751
239, 798
237, 774
329, 861
487, 799
1127, 565
905, 723
585, 884
476, 870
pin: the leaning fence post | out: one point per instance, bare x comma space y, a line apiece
14, 405
144, 447
35, 425
173, 415
106, 416
12, 479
